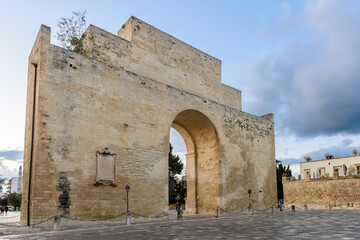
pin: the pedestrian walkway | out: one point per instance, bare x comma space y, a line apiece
11, 217
260, 225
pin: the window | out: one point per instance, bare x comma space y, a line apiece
339, 169
357, 169
322, 172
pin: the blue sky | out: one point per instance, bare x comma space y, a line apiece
297, 59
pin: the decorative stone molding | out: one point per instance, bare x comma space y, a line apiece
105, 168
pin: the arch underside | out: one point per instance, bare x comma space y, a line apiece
202, 161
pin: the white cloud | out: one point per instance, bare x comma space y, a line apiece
311, 84
295, 170
10, 160
179, 146
9, 167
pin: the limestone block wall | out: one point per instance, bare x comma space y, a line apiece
86, 104
157, 55
32, 105
322, 193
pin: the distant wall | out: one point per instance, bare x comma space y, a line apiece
320, 193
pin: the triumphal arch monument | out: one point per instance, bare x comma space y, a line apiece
100, 119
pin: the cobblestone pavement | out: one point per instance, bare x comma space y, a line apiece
280, 225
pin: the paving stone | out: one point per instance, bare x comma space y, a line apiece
280, 225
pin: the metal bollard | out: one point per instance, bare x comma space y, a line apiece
128, 218
305, 207
281, 207
272, 209
293, 208
218, 212
249, 211
179, 214
57, 223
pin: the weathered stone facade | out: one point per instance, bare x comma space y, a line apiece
336, 192
124, 95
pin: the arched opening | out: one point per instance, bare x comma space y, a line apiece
202, 161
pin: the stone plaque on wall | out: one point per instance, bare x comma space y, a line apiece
105, 167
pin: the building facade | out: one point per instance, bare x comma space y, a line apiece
19, 183
13, 185
326, 167
100, 120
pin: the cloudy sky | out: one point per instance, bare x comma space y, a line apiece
297, 59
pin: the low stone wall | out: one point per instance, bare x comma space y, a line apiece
333, 193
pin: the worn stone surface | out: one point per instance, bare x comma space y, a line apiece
280, 225
323, 193
125, 95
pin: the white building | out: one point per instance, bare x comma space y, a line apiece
19, 184
326, 167
13, 185
181, 177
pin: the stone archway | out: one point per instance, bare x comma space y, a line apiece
202, 161
122, 102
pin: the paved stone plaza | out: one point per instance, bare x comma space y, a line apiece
280, 225
10, 217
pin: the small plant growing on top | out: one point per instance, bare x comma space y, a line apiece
307, 158
71, 31
329, 156
351, 171
355, 152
